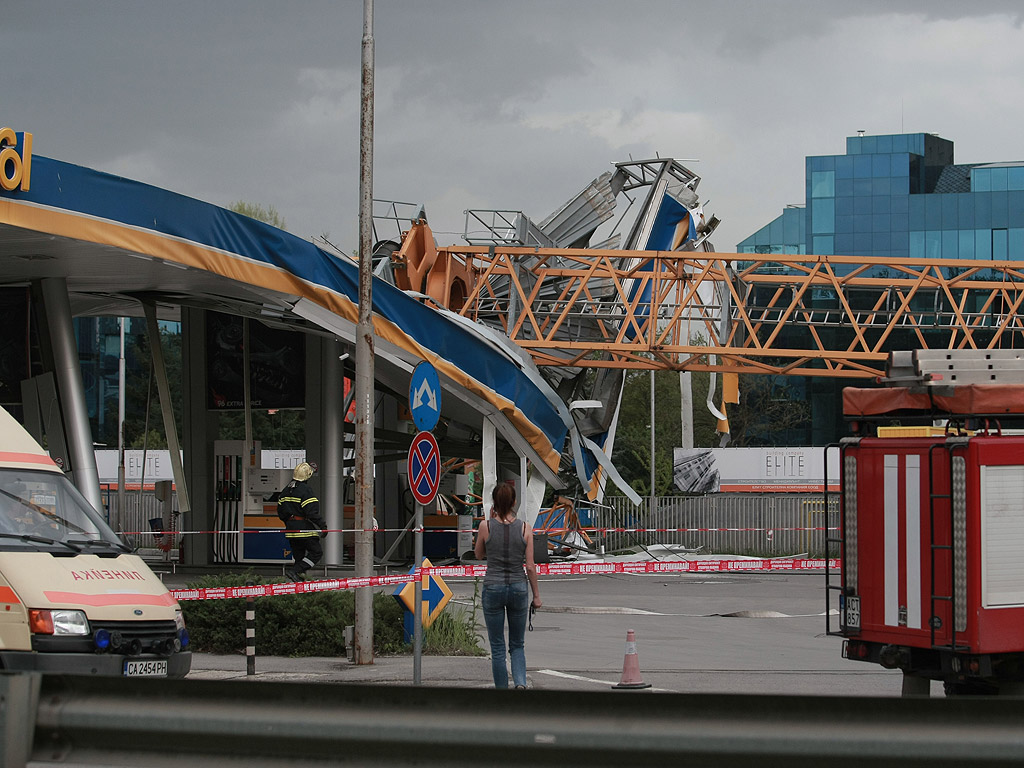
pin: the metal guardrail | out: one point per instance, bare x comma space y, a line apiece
109, 721
759, 524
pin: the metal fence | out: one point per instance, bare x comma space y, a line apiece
762, 525
142, 520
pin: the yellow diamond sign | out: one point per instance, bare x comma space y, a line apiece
435, 595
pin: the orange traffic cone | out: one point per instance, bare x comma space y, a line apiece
631, 666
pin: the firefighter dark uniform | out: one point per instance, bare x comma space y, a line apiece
299, 510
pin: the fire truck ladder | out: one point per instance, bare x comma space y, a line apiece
836, 578
955, 593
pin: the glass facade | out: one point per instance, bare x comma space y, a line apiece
902, 196
785, 234
895, 196
99, 349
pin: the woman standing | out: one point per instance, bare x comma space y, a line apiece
508, 546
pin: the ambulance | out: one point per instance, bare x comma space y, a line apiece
931, 531
73, 598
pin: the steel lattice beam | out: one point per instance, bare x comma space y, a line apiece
811, 315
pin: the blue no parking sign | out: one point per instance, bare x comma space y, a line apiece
424, 467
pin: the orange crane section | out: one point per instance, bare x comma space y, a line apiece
834, 316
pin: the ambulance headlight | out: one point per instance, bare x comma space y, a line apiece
70, 623
58, 622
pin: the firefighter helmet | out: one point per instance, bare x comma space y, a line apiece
303, 471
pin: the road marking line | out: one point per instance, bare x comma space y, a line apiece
567, 676
599, 610
622, 611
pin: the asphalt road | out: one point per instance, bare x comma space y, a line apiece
699, 633
695, 633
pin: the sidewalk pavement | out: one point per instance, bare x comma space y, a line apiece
458, 671
455, 671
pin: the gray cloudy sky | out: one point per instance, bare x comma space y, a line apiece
513, 105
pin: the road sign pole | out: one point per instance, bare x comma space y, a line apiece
417, 619
424, 468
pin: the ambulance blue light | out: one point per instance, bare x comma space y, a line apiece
101, 638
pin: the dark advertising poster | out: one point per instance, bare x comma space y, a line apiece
277, 363
14, 344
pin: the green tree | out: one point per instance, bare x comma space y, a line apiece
267, 214
772, 411
632, 450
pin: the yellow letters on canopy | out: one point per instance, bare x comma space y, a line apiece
15, 169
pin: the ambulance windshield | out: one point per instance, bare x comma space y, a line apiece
36, 507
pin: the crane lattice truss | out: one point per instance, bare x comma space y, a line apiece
831, 316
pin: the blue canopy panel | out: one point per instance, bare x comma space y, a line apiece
673, 226
82, 204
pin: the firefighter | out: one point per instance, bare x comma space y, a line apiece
299, 510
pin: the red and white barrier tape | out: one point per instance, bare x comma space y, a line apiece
544, 569
555, 531
289, 588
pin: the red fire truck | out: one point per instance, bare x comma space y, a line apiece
931, 531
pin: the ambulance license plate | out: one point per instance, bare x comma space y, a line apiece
151, 668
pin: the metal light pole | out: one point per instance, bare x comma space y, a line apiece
364, 356
651, 515
121, 513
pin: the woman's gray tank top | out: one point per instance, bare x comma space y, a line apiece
506, 552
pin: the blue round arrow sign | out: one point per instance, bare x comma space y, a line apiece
425, 397
424, 467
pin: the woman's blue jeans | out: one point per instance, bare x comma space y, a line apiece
498, 601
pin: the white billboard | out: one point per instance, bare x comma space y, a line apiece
754, 470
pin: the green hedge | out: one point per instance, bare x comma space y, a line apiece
313, 624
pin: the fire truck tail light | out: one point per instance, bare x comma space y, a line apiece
856, 650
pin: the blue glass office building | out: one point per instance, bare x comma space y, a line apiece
893, 196
900, 196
